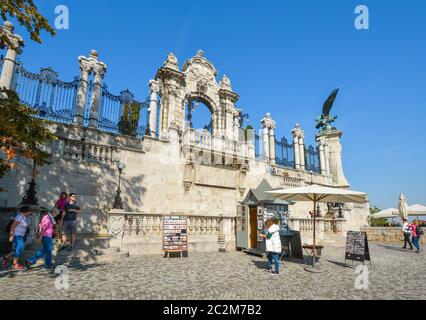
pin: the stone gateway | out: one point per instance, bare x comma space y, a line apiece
170, 168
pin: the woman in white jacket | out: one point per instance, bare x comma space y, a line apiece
273, 245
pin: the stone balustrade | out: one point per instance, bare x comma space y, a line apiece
83, 151
203, 140
324, 227
142, 233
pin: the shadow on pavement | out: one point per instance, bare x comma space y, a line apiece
395, 248
341, 264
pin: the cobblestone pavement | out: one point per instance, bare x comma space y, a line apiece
396, 274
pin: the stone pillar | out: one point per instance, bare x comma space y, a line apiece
154, 89
89, 65
272, 144
230, 122
82, 92
236, 123
326, 158
169, 79
269, 138
14, 48
320, 142
302, 150
334, 155
99, 70
266, 143
296, 133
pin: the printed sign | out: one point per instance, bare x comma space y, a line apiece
357, 247
175, 233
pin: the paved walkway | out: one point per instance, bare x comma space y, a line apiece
396, 274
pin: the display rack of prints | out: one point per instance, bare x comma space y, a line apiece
175, 234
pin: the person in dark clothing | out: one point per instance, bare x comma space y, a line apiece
69, 218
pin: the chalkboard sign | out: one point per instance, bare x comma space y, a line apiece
175, 234
357, 247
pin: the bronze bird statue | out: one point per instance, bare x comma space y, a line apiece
323, 122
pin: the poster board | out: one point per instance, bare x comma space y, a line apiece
357, 247
175, 234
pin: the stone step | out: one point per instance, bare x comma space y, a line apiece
87, 251
92, 258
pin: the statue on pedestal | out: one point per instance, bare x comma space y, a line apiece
325, 120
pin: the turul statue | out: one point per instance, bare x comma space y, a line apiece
325, 120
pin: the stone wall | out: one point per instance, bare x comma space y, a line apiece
386, 235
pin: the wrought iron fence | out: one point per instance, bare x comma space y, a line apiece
52, 98
312, 159
56, 100
123, 114
256, 145
284, 153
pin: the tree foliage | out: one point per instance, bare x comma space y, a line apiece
27, 14
129, 120
21, 135
381, 222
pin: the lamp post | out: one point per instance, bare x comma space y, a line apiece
118, 204
30, 197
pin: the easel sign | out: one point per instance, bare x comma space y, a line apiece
175, 235
357, 247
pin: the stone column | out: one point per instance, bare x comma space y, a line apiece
272, 144
154, 89
326, 158
230, 122
296, 132
320, 142
14, 48
82, 92
99, 70
169, 79
302, 150
266, 143
269, 138
236, 123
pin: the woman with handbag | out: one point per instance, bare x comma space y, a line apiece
417, 232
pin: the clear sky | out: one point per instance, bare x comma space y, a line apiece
283, 57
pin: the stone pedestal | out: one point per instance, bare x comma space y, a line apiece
334, 156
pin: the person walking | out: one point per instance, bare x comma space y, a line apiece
46, 227
17, 234
406, 229
60, 206
417, 231
69, 218
273, 245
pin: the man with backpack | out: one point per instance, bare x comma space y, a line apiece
406, 230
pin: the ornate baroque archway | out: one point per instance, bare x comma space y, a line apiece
196, 81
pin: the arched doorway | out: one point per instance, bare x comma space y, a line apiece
198, 114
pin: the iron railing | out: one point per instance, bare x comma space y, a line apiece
284, 153
52, 98
312, 159
56, 100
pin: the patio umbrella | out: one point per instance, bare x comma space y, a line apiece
414, 210
316, 193
403, 207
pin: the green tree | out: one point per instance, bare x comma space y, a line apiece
21, 135
381, 222
26, 13
129, 120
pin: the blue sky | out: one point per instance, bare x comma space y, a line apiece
283, 57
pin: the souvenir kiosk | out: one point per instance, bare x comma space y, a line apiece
252, 214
